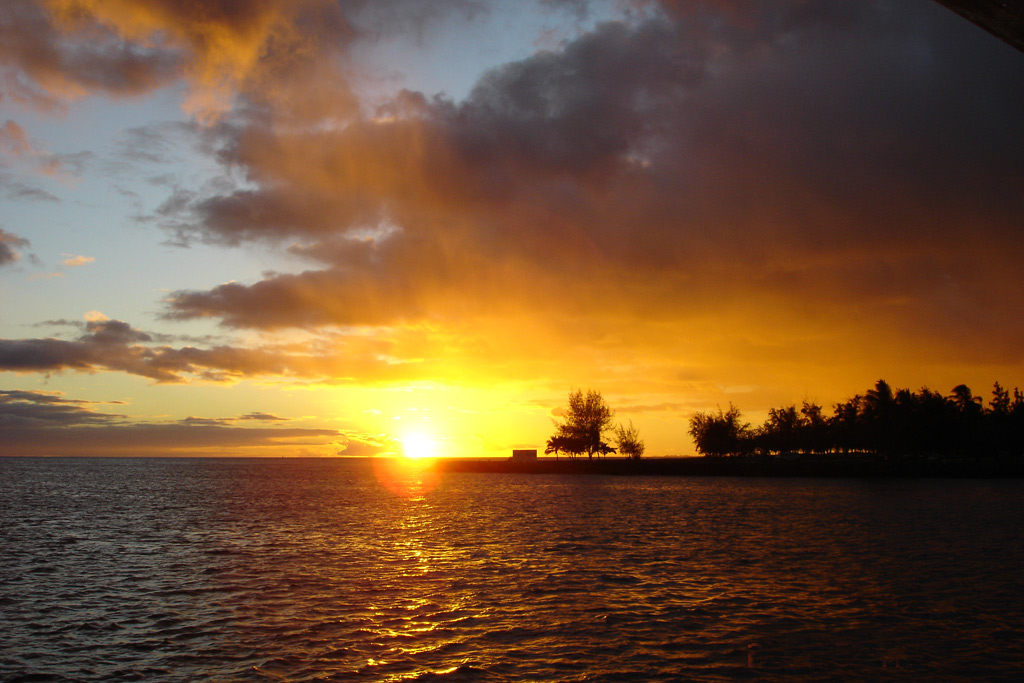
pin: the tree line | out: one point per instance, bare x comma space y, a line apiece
587, 420
881, 421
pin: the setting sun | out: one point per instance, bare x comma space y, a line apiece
418, 446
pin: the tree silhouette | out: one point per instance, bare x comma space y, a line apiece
814, 437
629, 442
965, 401
878, 413
781, 431
884, 421
1016, 428
969, 414
587, 418
845, 424
1000, 402
1000, 418
564, 444
720, 434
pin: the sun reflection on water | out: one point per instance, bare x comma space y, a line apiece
415, 623
409, 478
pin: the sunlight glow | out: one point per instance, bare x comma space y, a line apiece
417, 445
409, 478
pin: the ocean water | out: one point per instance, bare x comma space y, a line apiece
349, 570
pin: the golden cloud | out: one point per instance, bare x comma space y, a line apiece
760, 189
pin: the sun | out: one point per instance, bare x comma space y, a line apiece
418, 445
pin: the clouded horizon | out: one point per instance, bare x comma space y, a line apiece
367, 220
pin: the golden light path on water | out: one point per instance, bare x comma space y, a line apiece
408, 477
379, 570
412, 478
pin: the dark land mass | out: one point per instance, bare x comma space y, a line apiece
807, 466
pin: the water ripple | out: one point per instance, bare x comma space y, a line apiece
320, 571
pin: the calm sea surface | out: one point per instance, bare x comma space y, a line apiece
337, 570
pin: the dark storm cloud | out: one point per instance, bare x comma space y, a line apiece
795, 169
565, 117
750, 157
601, 98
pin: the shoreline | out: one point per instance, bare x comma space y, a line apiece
811, 466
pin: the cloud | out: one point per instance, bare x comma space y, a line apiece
48, 409
154, 144
18, 190
205, 421
90, 316
8, 242
265, 52
15, 142
262, 417
47, 423
64, 50
66, 167
702, 183
224, 421
163, 439
792, 169
75, 261
368, 446
13, 139
116, 346
668, 407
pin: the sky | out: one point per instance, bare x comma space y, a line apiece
305, 227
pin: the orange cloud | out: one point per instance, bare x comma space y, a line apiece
15, 142
663, 197
223, 42
48, 65
766, 192
72, 48
75, 261
13, 139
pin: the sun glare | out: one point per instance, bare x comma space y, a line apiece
418, 446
